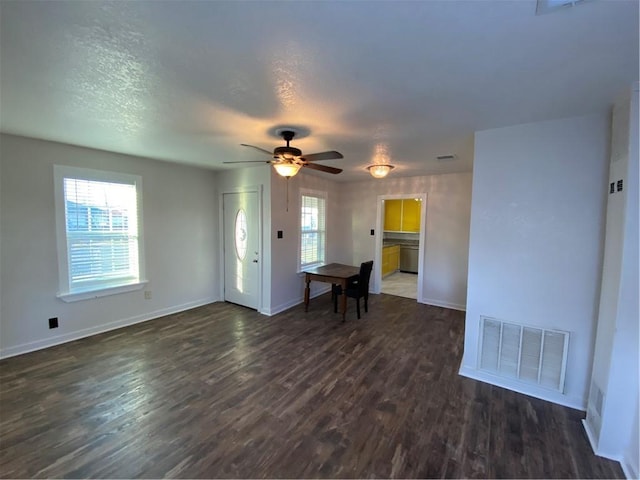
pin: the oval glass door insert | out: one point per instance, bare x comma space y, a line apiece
241, 234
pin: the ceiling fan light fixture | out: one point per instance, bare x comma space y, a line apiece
287, 152
287, 160
380, 170
286, 169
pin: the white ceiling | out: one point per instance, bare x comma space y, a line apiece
190, 81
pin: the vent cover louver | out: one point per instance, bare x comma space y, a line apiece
594, 408
548, 6
528, 354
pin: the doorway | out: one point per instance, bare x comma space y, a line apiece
400, 245
400, 284
241, 246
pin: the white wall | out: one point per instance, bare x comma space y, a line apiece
632, 449
183, 223
351, 214
240, 179
615, 364
287, 286
537, 223
447, 229
629, 354
282, 285
180, 227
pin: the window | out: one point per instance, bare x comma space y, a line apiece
98, 229
312, 228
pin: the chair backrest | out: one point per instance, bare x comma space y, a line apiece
365, 275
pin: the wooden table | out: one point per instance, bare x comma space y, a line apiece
334, 273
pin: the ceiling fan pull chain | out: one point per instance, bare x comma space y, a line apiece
287, 191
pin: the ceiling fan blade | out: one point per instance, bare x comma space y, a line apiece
250, 161
258, 148
322, 168
314, 157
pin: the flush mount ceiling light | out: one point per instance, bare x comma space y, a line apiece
380, 170
380, 166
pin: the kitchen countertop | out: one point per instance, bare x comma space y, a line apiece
401, 243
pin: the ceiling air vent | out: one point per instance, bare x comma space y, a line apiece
548, 6
446, 157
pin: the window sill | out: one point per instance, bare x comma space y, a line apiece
102, 292
309, 267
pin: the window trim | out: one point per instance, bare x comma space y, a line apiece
65, 292
304, 192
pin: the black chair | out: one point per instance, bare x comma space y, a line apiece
356, 288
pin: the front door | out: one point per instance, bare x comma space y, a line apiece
241, 248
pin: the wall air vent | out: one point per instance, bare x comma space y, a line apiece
446, 157
594, 408
527, 354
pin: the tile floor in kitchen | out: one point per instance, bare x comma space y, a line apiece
401, 284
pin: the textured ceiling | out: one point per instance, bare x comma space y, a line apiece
190, 81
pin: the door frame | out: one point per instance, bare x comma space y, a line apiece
245, 189
377, 271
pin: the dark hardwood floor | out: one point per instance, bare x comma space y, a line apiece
221, 391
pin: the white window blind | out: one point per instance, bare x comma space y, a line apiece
101, 237
312, 229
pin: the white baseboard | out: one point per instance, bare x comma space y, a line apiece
627, 468
87, 332
321, 291
282, 307
541, 393
590, 436
296, 301
439, 303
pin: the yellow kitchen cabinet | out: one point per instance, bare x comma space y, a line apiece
393, 215
385, 261
402, 215
411, 215
390, 259
394, 258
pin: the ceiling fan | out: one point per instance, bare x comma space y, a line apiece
288, 160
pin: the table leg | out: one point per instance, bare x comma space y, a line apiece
306, 293
343, 300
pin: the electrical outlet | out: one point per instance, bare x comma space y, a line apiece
147, 294
53, 322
